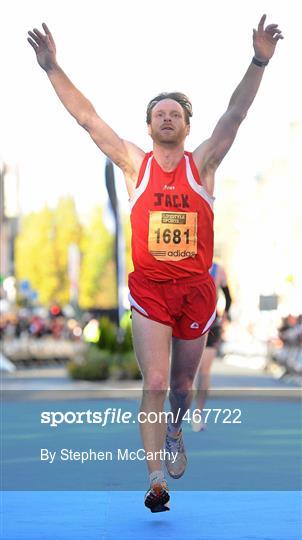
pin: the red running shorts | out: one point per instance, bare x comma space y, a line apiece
188, 305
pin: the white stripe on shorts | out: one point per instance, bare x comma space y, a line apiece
136, 305
207, 326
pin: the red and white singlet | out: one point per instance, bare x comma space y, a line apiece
172, 221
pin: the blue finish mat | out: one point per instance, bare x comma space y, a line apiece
122, 516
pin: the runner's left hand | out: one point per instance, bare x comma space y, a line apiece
265, 39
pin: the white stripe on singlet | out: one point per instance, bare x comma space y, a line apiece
143, 185
197, 187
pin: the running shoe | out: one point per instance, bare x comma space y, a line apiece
198, 426
175, 445
157, 497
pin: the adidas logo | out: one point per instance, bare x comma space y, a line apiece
194, 325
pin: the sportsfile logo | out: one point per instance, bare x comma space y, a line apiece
111, 415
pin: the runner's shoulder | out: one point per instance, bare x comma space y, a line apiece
135, 158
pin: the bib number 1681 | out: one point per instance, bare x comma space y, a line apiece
171, 236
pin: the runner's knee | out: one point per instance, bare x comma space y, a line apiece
155, 381
182, 387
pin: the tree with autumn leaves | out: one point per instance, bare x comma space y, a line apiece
41, 255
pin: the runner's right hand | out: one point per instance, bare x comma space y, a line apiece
44, 46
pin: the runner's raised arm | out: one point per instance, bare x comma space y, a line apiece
124, 154
212, 151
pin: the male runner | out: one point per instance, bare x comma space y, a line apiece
171, 194
202, 379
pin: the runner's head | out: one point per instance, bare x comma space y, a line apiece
168, 118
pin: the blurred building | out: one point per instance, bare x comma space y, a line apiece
259, 233
9, 225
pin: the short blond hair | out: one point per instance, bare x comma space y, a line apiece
176, 96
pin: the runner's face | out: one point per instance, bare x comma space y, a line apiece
168, 125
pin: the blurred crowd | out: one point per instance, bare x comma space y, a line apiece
290, 331
54, 323
65, 324
287, 349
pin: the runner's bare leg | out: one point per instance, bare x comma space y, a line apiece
202, 381
186, 355
152, 343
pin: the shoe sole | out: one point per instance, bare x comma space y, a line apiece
158, 504
160, 508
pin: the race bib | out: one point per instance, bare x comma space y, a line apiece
172, 235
